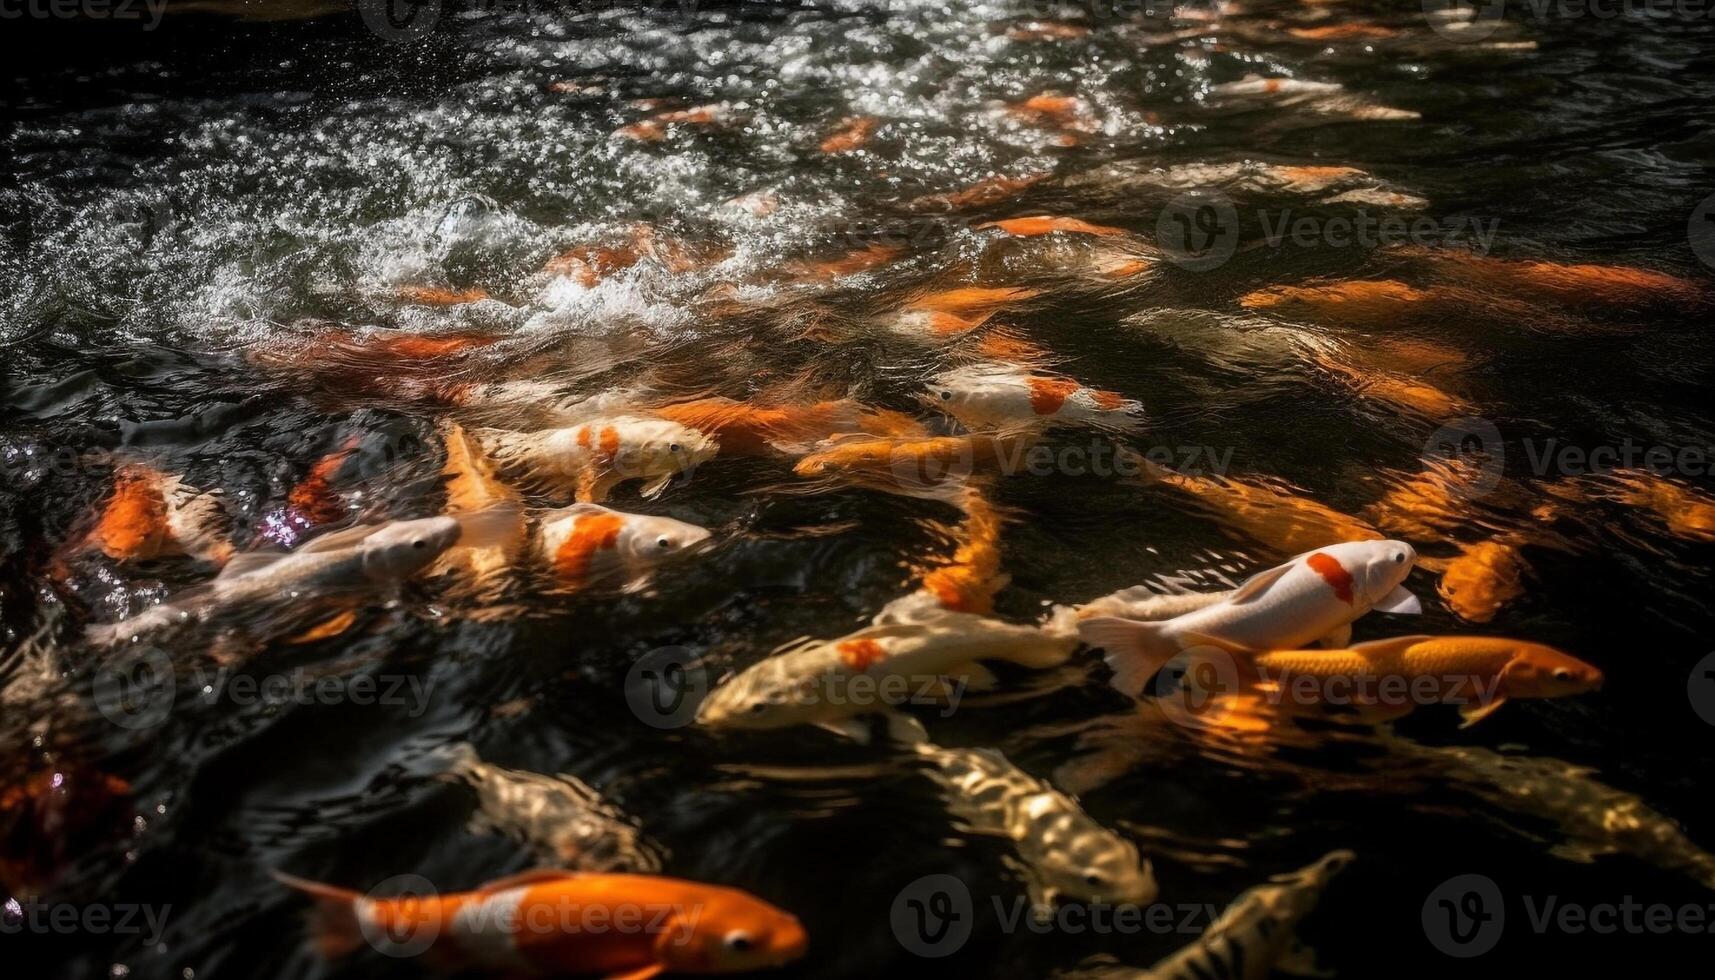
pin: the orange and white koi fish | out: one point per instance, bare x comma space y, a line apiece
1253, 86
654, 128
1378, 197
1358, 31
1248, 176
983, 193
805, 683
151, 515
1045, 224
851, 134
749, 430
1277, 517
1478, 673
971, 301
850, 264
370, 350
590, 264
585, 543
537, 923
472, 487
1481, 579
439, 295
1557, 282
930, 326
1051, 110
1310, 597
595, 457
758, 203
1000, 396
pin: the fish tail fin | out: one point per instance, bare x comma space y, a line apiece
1136, 651
333, 926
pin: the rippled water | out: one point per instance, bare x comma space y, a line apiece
185, 199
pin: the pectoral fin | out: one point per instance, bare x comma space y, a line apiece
1473, 713
1338, 639
852, 728
1257, 584
1399, 602
653, 488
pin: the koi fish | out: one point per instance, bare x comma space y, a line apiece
997, 396
982, 194
850, 264
599, 455
369, 350
560, 818
1061, 850
1255, 937
1343, 32
1687, 513
1398, 391
1431, 503
969, 581
1478, 673
1312, 596
803, 683
361, 559
312, 500
1284, 521
1378, 197
473, 488
1483, 577
747, 430
151, 515
1051, 110
586, 542
910, 462
928, 326
1044, 224
971, 300
851, 134
439, 296
1252, 86
1045, 30
1594, 818
757, 204
1354, 301
1247, 176
654, 128
520, 923
1562, 283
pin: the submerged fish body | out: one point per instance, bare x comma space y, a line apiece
1289, 606
1256, 935
1287, 522
1000, 396
811, 682
360, 559
1064, 853
151, 514
1481, 579
562, 819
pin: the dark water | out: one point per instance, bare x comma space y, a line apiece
182, 196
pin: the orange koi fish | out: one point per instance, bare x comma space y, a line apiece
1556, 282
933, 325
1049, 224
850, 264
990, 396
439, 296
1343, 32
313, 500
153, 515
1431, 503
1481, 579
970, 580
911, 464
483, 555
654, 128
1478, 673
852, 134
748, 430
1687, 513
1054, 111
1354, 301
545, 922
971, 300
1397, 391
983, 193
1282, 520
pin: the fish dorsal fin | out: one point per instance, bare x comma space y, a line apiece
246, 562
574, 510
1257, 584
792, 646
535, 876
337, 540
1390, 646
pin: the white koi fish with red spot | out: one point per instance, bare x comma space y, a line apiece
994, 396
1315, 596
584, 543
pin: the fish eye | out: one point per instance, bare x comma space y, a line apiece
739, 942
1562, 674
663, 542
1095, 880
946, 396
675, 447
419, 543
1399, 558
758, 707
